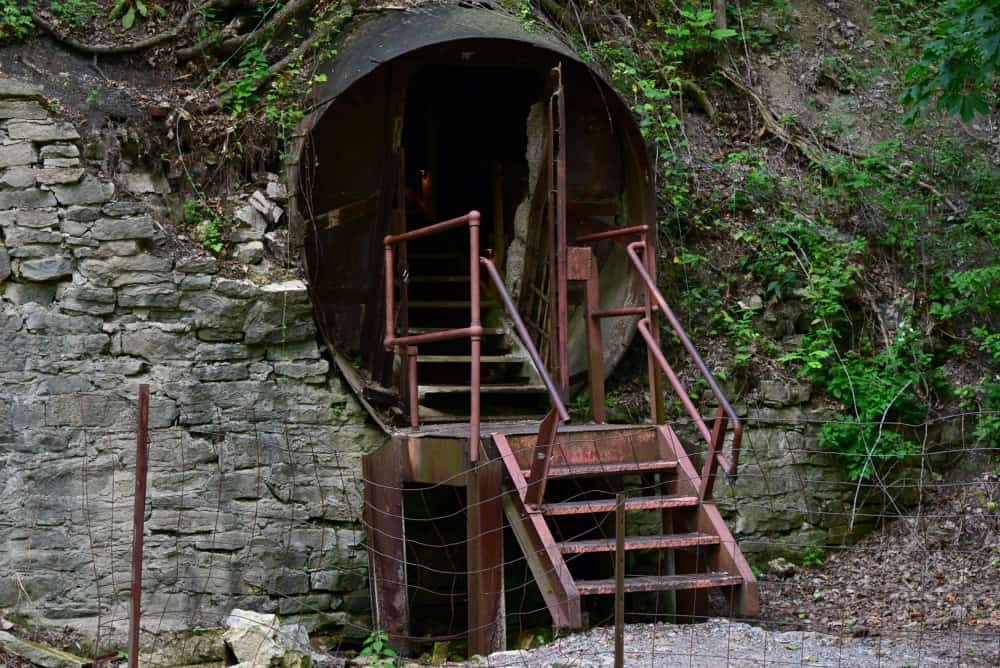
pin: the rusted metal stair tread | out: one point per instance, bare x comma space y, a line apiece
443, 278
445, 304
608, 505
485, 388
487, 331
659, 583
484, 359
665, 542
609, 468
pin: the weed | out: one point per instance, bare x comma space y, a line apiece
207, 225
812, 554
376, 648
74, 13
129, 10
15, 19
240, 94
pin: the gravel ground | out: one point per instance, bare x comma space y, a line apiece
720, 642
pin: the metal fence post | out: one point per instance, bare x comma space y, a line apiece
620, 580
138, 524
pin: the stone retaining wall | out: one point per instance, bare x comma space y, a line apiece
255, 445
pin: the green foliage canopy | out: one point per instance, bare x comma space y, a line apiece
960, 63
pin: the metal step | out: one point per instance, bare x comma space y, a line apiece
667, 542
444, 278
446, 304
487, 331
465, 359
608, 505
485, 388
659, 583
610, 468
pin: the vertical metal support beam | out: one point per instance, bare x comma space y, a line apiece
540, 458
413, 386
595, 342
484, 533
383, 518
390, 295
138, 525
477, 339
619, 580
659, 410
562, 242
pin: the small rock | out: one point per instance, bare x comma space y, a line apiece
277, 191
250, 252
46, 269
781, 568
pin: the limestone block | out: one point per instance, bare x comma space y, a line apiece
198, 264
46, 269
18, 177
155, 344
250, 252
24, 109
238, 289
18, 153
58, 176
40, 654
36, 217
29, 293
59, 151
210, 309
31, 198
4, 264
144, 183
251, 225
251, 637
157, 295
90, 190
84, 214
41, 131
111, 229
221, 372
15, 88
221, 352
301, 370
18, 237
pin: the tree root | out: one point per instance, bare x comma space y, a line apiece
699, 97
812, 151
102, 49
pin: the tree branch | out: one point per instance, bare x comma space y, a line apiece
291, 11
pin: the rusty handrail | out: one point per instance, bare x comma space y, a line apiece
611, 234
726, 412
404, 345
522, 332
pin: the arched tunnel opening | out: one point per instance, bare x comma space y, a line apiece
424, 117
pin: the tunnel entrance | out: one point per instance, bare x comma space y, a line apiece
427, 116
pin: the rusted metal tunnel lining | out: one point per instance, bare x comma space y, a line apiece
363, 150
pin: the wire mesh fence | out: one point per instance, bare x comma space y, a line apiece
897, 568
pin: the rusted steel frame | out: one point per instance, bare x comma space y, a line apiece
619, 580
540, 460
522, 332
621, 312
511, 463
689, 347
138, 524
540, 549
657, 407
689, 406
729, 558
613, 234
476, 346
383, 518
595, 342
413, 388
562, 272
484, 528
428, 230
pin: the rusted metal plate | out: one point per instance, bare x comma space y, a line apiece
436, 460
615, 468
640, 543
485, 557
658, 583
579, 263
608, 505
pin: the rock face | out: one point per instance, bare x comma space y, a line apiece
255, 446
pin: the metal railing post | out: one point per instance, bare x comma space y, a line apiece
477, 338
138, 525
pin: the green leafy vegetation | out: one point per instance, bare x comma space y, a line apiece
74, 13
129, 10
959, 64
207, 225
376, 648
15, 19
